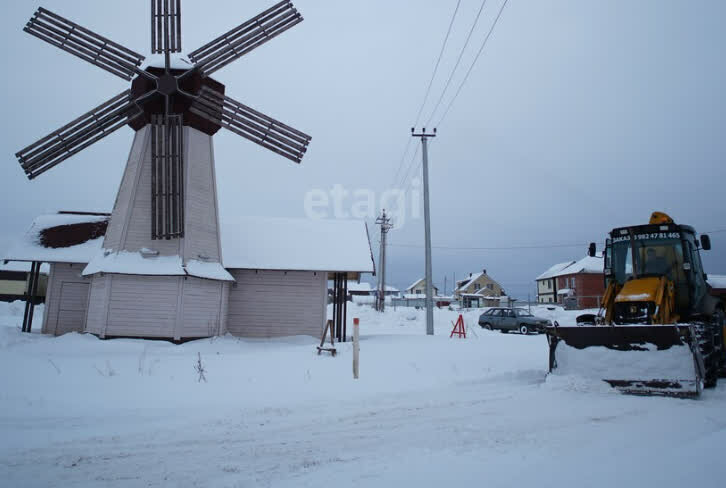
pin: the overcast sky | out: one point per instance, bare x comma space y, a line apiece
579, 116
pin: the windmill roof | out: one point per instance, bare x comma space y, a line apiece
247, 243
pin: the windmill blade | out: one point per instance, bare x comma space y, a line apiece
81, 42
70, 139
251, 124
245, 37
167, 176
165, 26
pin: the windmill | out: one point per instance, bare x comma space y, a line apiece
165, 98
160, 272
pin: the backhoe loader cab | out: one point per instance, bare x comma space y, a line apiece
659, 331
636, 257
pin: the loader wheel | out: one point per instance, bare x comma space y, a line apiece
711, 346
523, 329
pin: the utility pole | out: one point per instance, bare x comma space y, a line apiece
424, 136
386, 225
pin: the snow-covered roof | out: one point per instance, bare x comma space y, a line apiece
717, 281
296, 244
470, 280
247, 243
137, 263
359, 287
61, 238
22, 267
587, 265
418, 282
552, 272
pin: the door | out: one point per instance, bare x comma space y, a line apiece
72, 308
509, 321
496, 319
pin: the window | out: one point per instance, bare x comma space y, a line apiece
496, 313
572, 282
523, 313
477, 287
490, 286
549, 284
418, 292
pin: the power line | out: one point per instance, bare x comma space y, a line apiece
428, 91
438, 61
413, 163
458, 61
481, 49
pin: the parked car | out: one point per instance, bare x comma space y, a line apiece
506, 319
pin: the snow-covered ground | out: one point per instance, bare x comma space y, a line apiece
426, 411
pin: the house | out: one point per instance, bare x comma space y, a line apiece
547, 283
718, 285
418, 289
477, 285
272, 280
360, 289
391, 291
581, 284
15, 282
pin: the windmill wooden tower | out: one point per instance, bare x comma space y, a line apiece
160, 272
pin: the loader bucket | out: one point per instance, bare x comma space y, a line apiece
634, 359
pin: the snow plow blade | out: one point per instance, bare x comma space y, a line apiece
659, 360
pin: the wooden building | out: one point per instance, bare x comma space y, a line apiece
272, 280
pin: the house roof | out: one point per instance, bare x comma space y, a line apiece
296, 244
359, 287
552, 271
61, 238
21, 267
416, 283
473, 278
717, 281
247, 243
586, 265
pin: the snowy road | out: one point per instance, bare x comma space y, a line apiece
427, 412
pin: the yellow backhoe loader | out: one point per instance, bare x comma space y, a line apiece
659, 330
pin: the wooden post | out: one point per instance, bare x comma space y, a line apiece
356, 348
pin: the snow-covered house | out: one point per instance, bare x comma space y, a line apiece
15, 281
272, 281
582, 283
547, 283
391, 291
418, 289
475, 286
363, 289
